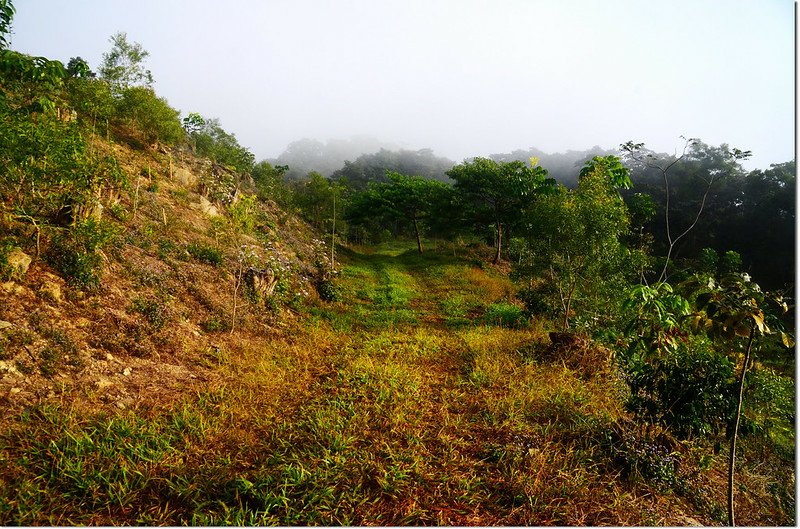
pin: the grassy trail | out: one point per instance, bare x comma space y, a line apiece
416, 399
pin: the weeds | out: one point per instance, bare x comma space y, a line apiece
205, 254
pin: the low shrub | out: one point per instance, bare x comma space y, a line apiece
690, 390
205, 253
75, 252
505, 315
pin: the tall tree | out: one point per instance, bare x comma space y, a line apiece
574, 239
687, 181
123, 66
496, 192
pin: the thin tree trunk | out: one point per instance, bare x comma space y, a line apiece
499, 242
732, 458
237, 281
419, 239
569, 304
333, 233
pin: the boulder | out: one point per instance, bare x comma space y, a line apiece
206, 207
185, 177
18, 262
12, 288
51, 290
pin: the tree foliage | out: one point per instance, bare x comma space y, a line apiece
406, 199
7, 12
375, 167
214, 142
573, 242
123, 66
496, 192
151, 115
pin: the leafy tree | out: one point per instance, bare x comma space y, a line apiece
6, 16
697, 167
123, 66
77, 67
314, 197
760, 225
734, 309
193, 123
563, 167
270, 182
574, 243
617, 175
376, 166
30, 84
496, 192
211, 140
411, 199
92, 99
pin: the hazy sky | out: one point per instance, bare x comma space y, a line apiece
465, 78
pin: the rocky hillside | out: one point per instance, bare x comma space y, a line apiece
190, 246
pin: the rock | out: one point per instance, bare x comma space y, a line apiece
103, 383
688, 521
126, 372
206, 207
18, 262
14, 391
8, 367
109, 357
5, 325
120, 405
52, 291
185, 177
12, 288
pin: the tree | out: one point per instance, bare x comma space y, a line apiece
411, 199
496, 192
315, 199
573, 239
6, 16
375, 167
734, 309
270, 182
211, 140
698, 164
77, 67
123, 66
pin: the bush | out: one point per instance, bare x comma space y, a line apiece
539, 299
328, 291
150, 114
243, 213
212, 141
205, 253
505, 315
92, 99
769, 406
6, 247
155, 312
75, 253
690, 390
